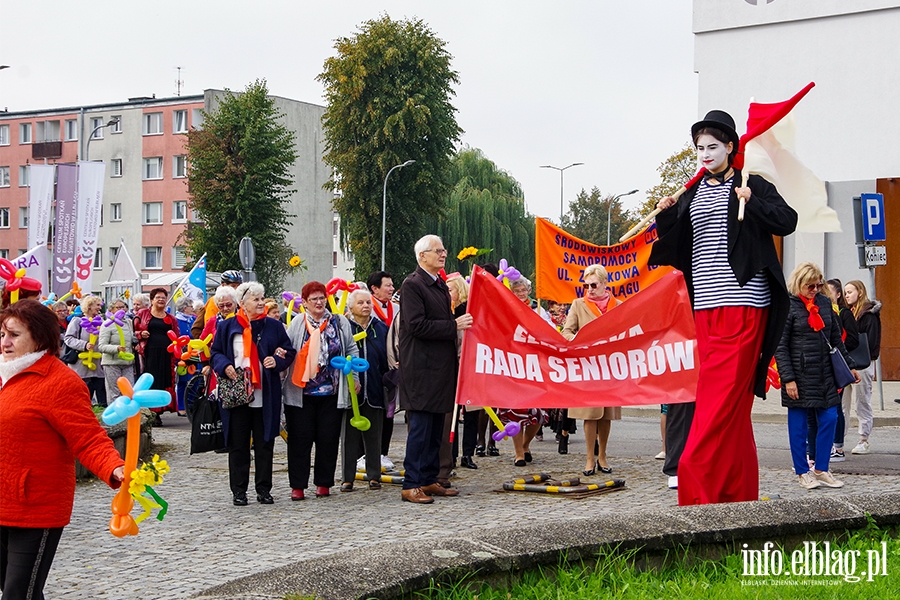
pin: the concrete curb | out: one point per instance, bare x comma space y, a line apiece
390, 570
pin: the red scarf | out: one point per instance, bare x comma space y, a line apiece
386, 318
815, 319
250, 348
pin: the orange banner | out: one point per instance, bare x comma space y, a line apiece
561, 258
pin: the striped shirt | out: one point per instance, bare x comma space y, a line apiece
714, 282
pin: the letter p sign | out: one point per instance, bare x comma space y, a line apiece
873, 217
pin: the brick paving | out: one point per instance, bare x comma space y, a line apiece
205, 541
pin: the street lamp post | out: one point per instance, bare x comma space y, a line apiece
384, 206
561, 184
87, 149
609, 212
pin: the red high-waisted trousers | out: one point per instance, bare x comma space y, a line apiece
719, 463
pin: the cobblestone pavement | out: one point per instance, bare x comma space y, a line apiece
204, 540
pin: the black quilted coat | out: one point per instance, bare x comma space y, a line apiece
802, 356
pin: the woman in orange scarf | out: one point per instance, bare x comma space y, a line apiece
597, 301
260, 347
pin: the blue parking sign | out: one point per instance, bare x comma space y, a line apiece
873, 217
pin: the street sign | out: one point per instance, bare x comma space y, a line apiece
873, 217
247, 254
876, 256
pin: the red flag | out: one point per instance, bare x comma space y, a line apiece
761, 118
644, 351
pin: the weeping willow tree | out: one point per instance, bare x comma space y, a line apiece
485, 209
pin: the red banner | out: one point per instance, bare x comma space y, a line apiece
644, 351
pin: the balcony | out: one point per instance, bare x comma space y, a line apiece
46, 150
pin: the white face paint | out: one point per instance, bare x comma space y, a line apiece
712, 153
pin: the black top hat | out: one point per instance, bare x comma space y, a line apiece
718, 119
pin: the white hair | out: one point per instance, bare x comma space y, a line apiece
198, 304
224, 292
183, 303
251, 287
357, 292
521, 281
424, 244
140, 298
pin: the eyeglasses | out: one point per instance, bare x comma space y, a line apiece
438, 251
225, 305
593, 286
317, 299
814, 287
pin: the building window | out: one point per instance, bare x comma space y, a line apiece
334, 259
4, 135
97, 124
197, 118
71, 130
23, 175
153, 167
152, 257
4, 218
116, 167
334, 228
195, 216
153, 123
179, 211
152, 213
24, 133
179, 258
117, 126
47, 131
4, 176
4, 252
113, 253
179, 121
115, 211
98, 259
179, 166
23, 217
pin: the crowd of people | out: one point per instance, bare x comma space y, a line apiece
275, 364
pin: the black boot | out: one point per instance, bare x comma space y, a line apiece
468, 463
563, 444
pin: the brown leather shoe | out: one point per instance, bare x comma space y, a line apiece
436, 489
417, 496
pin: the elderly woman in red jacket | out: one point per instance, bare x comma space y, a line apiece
46, 423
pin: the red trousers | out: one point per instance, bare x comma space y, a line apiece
719, 463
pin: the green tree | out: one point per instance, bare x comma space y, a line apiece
388, 93
239, 175
674, 172
485, 209
587, 217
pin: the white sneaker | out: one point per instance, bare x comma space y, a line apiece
361, 464
661, 456
826, 479
808, 480
861, 448
673, 482
387, 463
837, 455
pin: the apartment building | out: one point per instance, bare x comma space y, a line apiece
145, 200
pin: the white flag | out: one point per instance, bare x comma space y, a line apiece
36, 263
40, 201
771, 155
90, 203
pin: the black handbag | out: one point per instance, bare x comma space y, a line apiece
207, 432
842, 374
860, 357
69, 354
235, 392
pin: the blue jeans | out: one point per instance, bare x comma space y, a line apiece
797, 431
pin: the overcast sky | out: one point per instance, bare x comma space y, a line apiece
609, 84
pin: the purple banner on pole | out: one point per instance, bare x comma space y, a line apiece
65, 229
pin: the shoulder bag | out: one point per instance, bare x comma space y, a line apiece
70, 354
842, 374
237, 392
860, 357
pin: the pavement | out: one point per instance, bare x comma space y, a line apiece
205, 542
